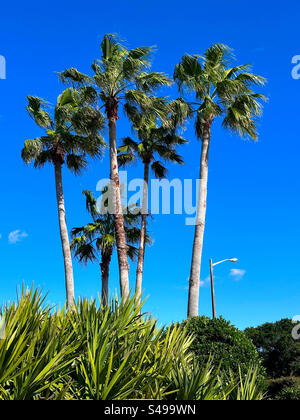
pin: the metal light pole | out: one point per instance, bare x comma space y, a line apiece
213, 301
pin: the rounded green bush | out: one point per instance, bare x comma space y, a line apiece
229, 347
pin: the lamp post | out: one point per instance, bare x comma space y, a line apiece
234, 260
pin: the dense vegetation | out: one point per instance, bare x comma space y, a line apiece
110, 350
279, 352
280, 355
105, 354
230, 347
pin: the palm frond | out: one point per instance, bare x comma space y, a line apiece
35, 109
148, 82
73, 77
76, 163
90, 203
31, 150
159, 169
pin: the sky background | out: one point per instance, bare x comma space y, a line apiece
253, 195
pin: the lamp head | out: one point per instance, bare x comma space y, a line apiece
234, 260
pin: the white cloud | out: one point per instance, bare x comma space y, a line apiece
16, 236
237, 274
205, 281
0, 236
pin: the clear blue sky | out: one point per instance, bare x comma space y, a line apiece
253, 202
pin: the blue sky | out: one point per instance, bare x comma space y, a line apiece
253, 201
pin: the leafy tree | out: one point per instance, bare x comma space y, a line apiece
220, 91
228, 346
71, 135
156, 140
98, 237
120, 76
280, 353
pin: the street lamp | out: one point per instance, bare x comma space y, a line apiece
234, 260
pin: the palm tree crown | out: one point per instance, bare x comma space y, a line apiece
221, 90
70, 136
120, 74
98, 236
157, 137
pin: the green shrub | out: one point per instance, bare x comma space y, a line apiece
229, 347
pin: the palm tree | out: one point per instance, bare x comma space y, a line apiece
98, 237
157, 139
70, 137
120, 76
220, 91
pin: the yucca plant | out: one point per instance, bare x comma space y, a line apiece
37, 350
250, 386
125, 355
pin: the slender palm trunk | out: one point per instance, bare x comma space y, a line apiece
116, 198
194, 283
64, 236
141, 255
105, 262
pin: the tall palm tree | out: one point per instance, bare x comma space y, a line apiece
120, 76
157, 139
220, 91
98, 237
70, 137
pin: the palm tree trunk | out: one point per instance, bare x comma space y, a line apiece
141, 255
194, 282
116, 197
105, 262
69, 281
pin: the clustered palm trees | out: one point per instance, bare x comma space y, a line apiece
209, 88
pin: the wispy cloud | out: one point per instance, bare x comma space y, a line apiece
0, 235
16, 236
237, 274
205, 281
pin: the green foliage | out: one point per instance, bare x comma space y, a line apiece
279, 352
103, 353
120, 75
37, 351
98, 236
229, 347
276, 386
289, 393
157, 137
71, 134
221, 90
